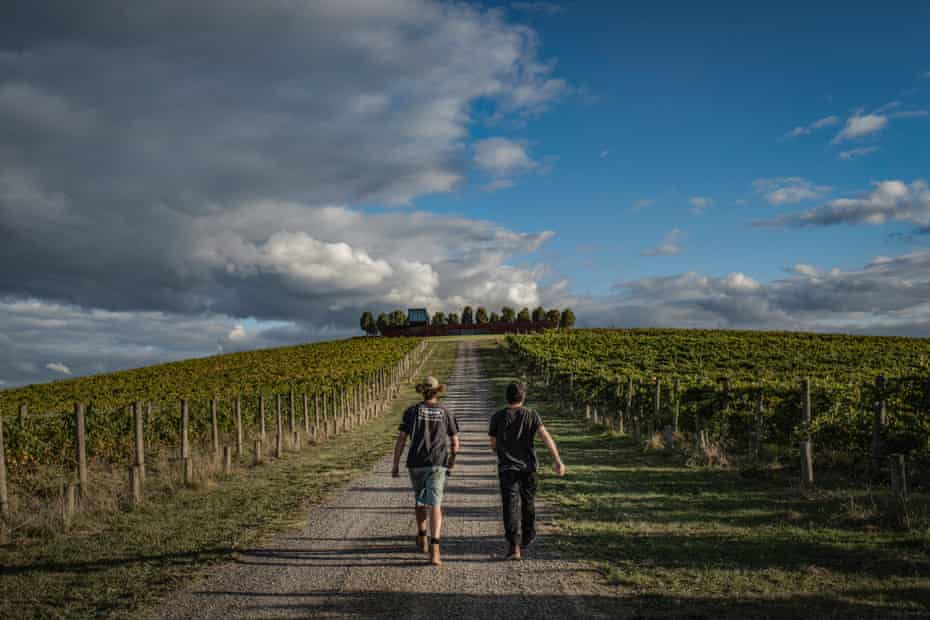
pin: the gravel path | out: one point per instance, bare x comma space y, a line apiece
356, 557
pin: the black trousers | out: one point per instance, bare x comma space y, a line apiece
518, 493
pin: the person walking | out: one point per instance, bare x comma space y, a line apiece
511, 433
434, 443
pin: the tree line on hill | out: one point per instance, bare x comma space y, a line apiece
386, 320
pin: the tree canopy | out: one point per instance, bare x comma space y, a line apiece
367, 323
524, 314
481, 315
568, 319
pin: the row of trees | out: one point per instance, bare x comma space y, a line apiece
397, 318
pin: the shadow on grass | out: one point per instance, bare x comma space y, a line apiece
665, 532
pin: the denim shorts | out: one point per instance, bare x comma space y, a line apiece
428, 484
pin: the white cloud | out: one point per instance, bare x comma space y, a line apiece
788, 190
58, 367
699, 204
502, 157
803, 130
887, 296
238, 334
861, 125
641, 204
245, 164
886, 201
670, 245
861, 151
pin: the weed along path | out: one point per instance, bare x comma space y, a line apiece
355, 556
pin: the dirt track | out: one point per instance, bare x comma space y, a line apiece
355, 556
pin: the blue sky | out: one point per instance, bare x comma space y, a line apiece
699, 105
182, 179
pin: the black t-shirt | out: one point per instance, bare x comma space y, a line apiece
429, 428
515, 430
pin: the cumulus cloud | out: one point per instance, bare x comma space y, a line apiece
886, 201
502, 159
856, 153
803, 130
886, 296
641, 204
670, 245
699, 204
58, 367
223, 181
500, 156
788, 190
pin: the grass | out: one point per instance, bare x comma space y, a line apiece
137, 556
705, 542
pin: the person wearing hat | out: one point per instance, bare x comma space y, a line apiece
434, 442
511, 433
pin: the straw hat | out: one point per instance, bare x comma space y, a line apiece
430, 384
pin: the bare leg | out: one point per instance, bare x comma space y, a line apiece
436, 521
422, 512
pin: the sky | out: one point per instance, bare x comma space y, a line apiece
180, 179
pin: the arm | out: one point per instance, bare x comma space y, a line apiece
398, 451
553, 450
493, 441
455, 450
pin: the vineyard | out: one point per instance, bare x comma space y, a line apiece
860, 397
39, 425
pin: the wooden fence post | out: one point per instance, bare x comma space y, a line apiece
807, 402
278, 438
878, 422
227, 460
638, 415
297, 441
656, 409
139, 441
4, 496
628, 410
292, 413
70, 504
214, 429
306, 415
81, 442
676, 407
261, 417
257, 447
186, 460
135, 484
22, 415
756, 445
898, 465
316, 417
807, 449
238, 426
